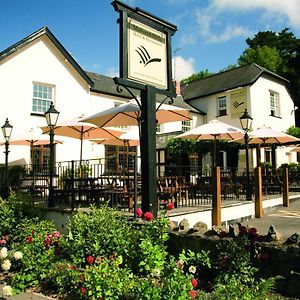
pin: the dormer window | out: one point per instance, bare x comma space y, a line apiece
222, 106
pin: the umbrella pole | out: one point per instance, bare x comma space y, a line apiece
215, 151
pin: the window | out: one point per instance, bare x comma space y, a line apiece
274, 104
158, 128
42, 97
40, 158
222, 110
119, 159
186, 125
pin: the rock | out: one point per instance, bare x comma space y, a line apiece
293, 239
272, 234
173, 226
212, 232
200, 226
233, 230
184, 225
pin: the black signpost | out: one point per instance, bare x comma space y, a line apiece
145, 66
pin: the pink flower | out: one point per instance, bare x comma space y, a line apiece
90, 259
194, 282
139, 212
193, 293
2, 242
83, 291
170, 205
148, 216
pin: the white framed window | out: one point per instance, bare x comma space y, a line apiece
42, 96
222, 106
274, 104
186, 125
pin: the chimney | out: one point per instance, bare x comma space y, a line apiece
177, 87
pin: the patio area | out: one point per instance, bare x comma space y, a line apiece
97, 182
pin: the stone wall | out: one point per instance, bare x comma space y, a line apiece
276, 257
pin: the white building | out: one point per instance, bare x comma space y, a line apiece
38, 70
266, 96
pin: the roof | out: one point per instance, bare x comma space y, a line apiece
106, 85
224, 81
35, 35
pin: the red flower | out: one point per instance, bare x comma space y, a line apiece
243, 230
148, 216
193, 294
83, 291
170, 206
263, 257
194, 282
29, 239
139, 212
90, 259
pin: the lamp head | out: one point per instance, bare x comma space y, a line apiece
51, 116
246, 121
6, 130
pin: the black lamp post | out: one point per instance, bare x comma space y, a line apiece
246, 122
51, 116
6, 130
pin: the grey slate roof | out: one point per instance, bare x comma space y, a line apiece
106, 85
45, 31
234, 78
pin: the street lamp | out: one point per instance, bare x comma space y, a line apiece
6, 130
246, 122
51, 116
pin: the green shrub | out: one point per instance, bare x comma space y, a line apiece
97, 232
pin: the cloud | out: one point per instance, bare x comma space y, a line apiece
182, 68
273, 8
112, 72
218, 33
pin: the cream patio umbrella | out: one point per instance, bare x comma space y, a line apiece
213, 130
296, 149
74, 128
32, 137
128, 114
267, 135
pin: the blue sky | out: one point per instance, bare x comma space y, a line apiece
211, 33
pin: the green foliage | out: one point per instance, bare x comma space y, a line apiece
104, 255
179, 147
39, 251
102, 231
294, 131
264, 56
196, 76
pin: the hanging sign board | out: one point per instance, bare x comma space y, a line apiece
147, 54
238, 102
145, 48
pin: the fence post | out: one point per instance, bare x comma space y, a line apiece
286, 200
258, 193
216, 196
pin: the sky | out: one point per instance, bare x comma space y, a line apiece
211, 34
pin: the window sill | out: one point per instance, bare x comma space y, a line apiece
278, 117
218, 116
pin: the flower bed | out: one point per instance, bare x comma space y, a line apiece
104, 255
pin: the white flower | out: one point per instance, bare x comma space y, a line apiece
6, 264
192, 269
18, 255
155, 272
7, 291
3, 252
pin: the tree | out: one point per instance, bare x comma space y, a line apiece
196, 76
294, 131
264, 56
288, 48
